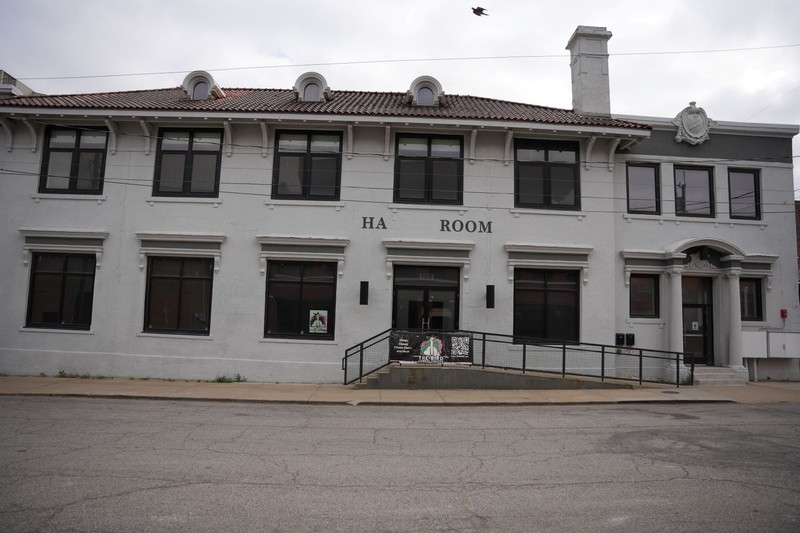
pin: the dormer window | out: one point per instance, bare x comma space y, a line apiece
311, 93
425, 91
200, 91
425, 96
199, 85
312, 87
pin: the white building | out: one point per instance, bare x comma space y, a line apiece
196, 231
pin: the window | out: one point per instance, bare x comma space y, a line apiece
546, 174
178, 295
200, 91
546, 304
311, 93
307, 165
750, 299
694, 192
74, 161
644, 296
429, 170
644, 188
61, 291
744, 190
188, 163
425, 96
301, 299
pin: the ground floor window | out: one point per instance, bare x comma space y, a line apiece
61, 291
179, 295
750, 299
301, 299
644, 296
546, 304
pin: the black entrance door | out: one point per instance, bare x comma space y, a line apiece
698, 320
425, 298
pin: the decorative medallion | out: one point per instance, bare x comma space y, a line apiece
697, 263
693, 125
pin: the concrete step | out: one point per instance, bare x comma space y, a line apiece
717, 375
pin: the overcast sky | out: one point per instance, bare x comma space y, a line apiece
48, 39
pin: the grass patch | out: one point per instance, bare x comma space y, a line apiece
236, 378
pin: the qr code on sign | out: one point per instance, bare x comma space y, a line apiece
459, 346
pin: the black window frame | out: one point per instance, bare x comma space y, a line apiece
430, 177
656, 291
519, 330
302, 303
178, 330
547, 166
307, 168
188, 163
61, 322
76, 152
656, 188
756, 193
684, 212
759, 301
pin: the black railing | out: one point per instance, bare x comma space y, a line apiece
494, 350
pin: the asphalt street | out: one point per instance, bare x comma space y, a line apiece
94, 464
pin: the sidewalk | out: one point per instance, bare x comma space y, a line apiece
762, 392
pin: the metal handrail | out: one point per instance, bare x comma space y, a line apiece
374, 353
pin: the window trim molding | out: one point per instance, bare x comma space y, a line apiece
64, 241
300, 254
156, 249
539, 258
428, 253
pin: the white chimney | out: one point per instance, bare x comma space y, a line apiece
588, 48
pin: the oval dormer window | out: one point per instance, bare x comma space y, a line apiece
425, 96
311, 93
200, 91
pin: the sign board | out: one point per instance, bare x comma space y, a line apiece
430, 346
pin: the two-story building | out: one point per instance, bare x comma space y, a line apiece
195, 231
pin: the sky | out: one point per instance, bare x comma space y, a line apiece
663, 54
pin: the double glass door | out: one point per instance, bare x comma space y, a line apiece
425, 298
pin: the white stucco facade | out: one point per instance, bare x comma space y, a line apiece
365, 232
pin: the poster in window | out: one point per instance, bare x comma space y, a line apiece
318, 321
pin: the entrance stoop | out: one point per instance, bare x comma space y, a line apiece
717, 375
420, 376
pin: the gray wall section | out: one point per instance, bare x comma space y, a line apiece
720, 146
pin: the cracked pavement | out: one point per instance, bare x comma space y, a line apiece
94, 464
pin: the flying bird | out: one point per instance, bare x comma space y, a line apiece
479, 11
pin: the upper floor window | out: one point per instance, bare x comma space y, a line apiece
307, 165
644, 189
425, 96
188, 163
546, 174
61, 291
745, 194
200, 91
311, 93
74, 161
429, 170
694, 192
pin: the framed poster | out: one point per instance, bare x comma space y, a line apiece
318, 321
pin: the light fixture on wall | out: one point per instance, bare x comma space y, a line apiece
363, 297
490, 297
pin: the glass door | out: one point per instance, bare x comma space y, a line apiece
697, 321
425, 298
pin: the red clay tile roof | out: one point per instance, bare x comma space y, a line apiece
343, 103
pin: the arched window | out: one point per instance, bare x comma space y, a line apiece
200, 91
425, 96
311, 93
